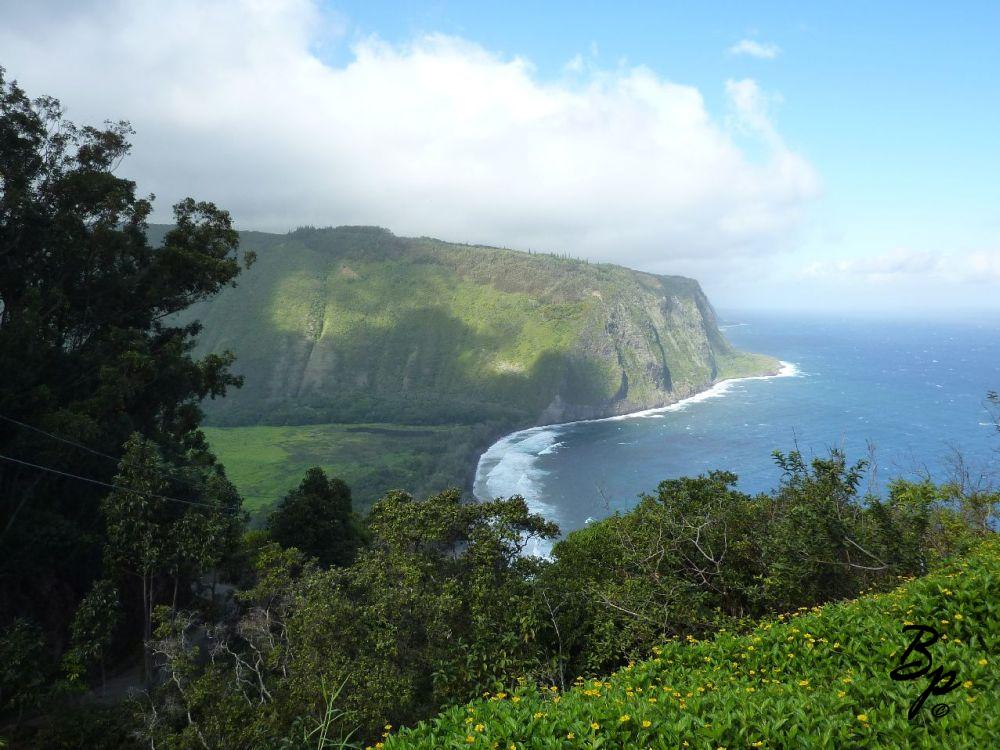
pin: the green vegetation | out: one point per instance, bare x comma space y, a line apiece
317, 517
264, 462
93, 357
440, 607
354, 324
818, 677
744, 364
392, 362
124, 542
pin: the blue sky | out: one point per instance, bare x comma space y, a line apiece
837, 156
896, 104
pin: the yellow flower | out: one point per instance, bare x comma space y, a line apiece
624, 718
862, 718
967, 684
647, 723
469, 738
841, 693
595, 726
468, 719
515, 699
758, 743
570, 735
983, 662
480, 727
958, 616
539, 714
803, 683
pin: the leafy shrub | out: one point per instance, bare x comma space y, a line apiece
816, 677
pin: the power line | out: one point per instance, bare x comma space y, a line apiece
116, 461
50, 470
81, 446
57, 437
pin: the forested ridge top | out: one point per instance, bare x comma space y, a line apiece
356, 324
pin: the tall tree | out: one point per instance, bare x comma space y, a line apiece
156, 541
90, 350
317, 518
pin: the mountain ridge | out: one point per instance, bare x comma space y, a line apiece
356, 324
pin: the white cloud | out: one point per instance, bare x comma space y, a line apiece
755, 49
575, 64
439, 136
903, 266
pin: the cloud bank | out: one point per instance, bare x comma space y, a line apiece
234, 101
903, 265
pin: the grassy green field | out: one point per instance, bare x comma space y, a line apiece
814, 678
265, 462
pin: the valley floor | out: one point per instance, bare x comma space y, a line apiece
266, 462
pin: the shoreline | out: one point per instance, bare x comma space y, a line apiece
501, 449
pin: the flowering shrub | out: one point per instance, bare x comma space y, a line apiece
816, 677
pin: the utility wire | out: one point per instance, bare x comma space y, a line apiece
81, 446
57, 437
116, 461
50, 470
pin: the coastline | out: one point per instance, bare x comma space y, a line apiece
503, 457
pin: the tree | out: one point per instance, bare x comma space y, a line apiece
23, 667
156, 540
92, 631
436, 608
87, 314
817, 533
317, 518
684, 561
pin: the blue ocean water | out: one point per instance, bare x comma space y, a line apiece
907, 392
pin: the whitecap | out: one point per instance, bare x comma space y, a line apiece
509, 466
550, 449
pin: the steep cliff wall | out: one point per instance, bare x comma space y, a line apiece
356, 324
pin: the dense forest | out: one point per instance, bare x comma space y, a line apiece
137, 609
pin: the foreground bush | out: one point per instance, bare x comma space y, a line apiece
818, 677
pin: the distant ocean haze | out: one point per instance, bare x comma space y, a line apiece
910, 393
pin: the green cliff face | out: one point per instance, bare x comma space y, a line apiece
355, 324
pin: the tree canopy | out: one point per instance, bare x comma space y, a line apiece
317, 518
90, 352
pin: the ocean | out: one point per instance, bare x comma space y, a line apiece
908, 394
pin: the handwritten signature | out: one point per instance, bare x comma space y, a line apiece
916, 662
